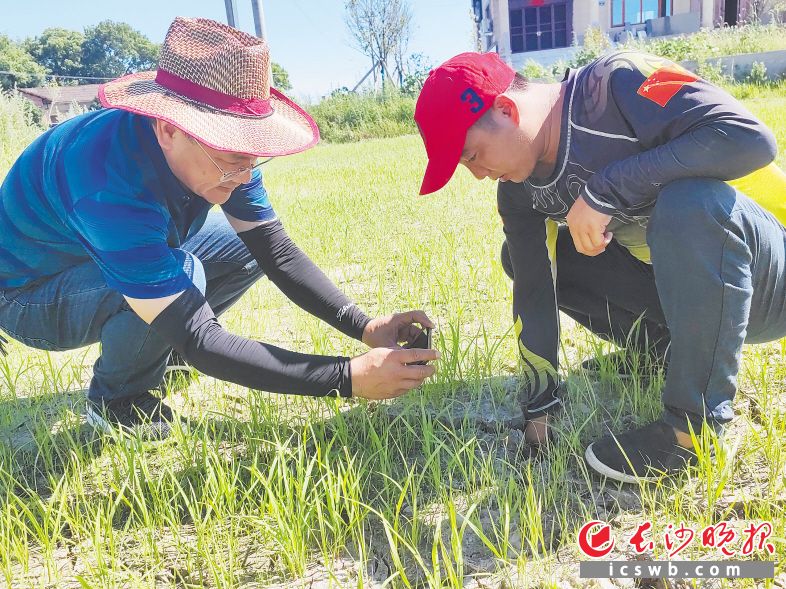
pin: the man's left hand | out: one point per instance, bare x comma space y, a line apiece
388, 331
588, 228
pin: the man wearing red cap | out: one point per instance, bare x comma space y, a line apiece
619, 207
106, 236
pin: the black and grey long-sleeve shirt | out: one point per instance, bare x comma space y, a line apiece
631, 123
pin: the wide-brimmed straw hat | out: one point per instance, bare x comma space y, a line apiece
213, 82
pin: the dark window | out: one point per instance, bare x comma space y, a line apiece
635, 12
533, 28
730, 12
561, 25
546, 28
516, 32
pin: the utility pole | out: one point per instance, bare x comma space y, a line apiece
231, 6
259, 19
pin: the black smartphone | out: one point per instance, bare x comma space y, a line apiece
423, 341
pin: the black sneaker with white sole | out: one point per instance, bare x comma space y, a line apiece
144, 415
644, 454
624, 364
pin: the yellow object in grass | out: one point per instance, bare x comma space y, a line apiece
766, 186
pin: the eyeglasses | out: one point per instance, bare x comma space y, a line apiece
226, 176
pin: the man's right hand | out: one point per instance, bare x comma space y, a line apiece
382, 373
588, 228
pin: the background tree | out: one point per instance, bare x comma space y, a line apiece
381, 30
59, 51
281, 78
417, 70
113, 49
14, 58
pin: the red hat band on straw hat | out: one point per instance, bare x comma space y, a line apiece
207, 96
453, 98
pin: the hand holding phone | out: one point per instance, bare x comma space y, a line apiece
422, 341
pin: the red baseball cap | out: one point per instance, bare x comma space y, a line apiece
453, 98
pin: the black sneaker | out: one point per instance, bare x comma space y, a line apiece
624, 364
178, 374
643, 454
145, 416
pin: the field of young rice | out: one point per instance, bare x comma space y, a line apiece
434, 489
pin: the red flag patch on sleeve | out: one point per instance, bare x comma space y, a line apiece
662, 85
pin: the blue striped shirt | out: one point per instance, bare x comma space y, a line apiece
98, 187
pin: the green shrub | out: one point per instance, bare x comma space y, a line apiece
758, 74
19, 125
596, 43
532, 70
713, 73
346, 116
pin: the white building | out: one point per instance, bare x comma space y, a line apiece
544, 30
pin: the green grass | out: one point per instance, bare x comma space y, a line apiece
435, 489
355, 117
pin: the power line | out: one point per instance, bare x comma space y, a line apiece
308, 17
55, 76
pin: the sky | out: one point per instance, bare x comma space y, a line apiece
307, 37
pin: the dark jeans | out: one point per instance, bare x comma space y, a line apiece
717, 280
76, 308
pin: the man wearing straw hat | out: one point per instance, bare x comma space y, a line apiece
105, 237
641, 201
